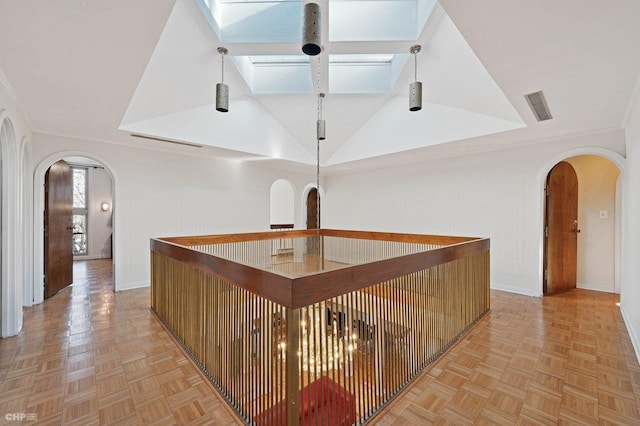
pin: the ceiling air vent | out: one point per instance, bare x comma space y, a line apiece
538, 105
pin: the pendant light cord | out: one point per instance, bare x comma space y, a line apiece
415, 67
222, 79
318, 166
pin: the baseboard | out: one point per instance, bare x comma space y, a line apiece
633, 335
517, 290
133, 286
92, 257
603, 289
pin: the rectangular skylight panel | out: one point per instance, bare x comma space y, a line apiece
293, 78
259, 21
373, 20
360, 77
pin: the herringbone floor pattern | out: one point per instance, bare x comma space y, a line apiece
90, 356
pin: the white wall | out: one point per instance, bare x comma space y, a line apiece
159, 194
630, 291
494, 194
282, 202
100, 223
597, 179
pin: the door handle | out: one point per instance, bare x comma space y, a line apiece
576, 230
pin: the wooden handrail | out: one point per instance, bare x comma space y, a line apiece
376, 309
295, 292
275, 235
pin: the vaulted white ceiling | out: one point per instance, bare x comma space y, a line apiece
461, 98
101, 70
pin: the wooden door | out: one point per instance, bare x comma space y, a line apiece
561, 229
312, 209
58, 234
312, 220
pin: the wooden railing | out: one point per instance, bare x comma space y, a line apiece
328, 337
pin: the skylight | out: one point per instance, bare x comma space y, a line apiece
258, 22
364, 73
275, 74
378, 20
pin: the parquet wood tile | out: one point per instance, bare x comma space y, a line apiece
89, 356
565, 359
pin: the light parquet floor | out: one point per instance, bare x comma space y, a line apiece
564, 359
91, 356
88, 356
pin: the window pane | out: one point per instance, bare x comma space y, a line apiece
79, 188
79, 234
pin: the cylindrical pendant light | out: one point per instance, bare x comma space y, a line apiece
321, 129
311, 25
222, 90
415, 88
320, 124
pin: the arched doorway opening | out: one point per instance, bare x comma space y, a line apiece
92, 221
282, 205
590, 232
313, 220
10, 248
282, 217
313, 209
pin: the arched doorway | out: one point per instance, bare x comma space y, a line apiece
313, 209
10, 248
595, 230
561, 229
282, 205
313, 220
93, 213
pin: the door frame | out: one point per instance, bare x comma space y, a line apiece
303, 210
38, 226
11, 301
616, 159
560, 204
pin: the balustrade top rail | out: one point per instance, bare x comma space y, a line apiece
334, 278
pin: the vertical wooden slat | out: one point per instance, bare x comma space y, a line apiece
214, 320
292, 374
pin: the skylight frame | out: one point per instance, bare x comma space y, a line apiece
277, 26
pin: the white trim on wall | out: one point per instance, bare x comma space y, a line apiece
26, 202
12, 293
